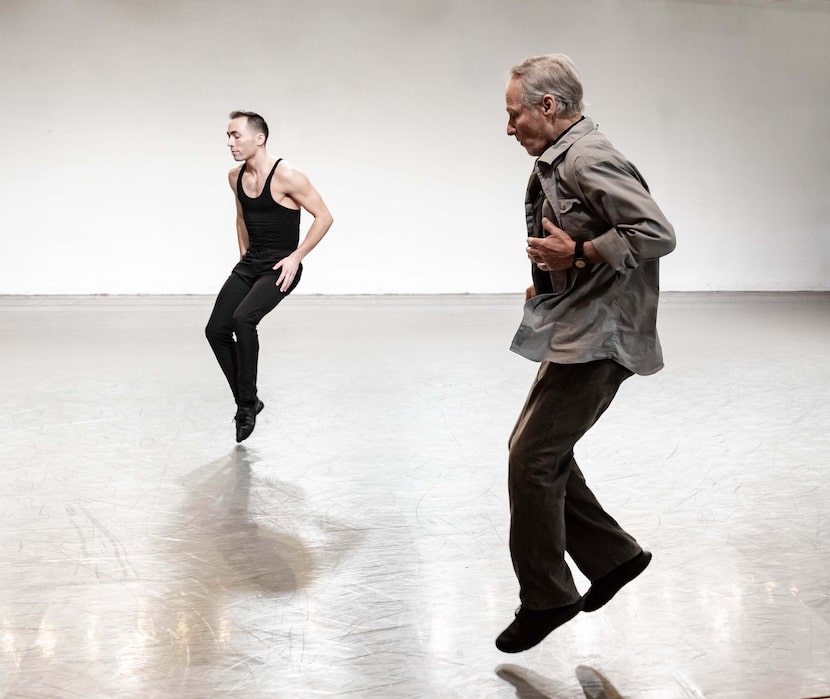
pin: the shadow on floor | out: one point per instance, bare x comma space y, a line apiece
531, 685
218, 543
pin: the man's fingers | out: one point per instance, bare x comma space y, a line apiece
285, 280
551, 228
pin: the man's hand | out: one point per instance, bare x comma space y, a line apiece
288, 267
554, 252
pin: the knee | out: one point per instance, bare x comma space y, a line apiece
243, 323
214, 332
533, 461
520, 447
517, 459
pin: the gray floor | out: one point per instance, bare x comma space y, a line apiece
356, 544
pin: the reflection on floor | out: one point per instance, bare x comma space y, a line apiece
356, 546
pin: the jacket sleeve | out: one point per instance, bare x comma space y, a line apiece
617, 193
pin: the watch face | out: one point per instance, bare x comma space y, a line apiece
580, 264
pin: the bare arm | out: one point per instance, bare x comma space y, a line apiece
299, 188
241, 230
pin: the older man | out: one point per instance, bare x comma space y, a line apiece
595, 236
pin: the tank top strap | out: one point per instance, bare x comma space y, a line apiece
239, 191
267, 187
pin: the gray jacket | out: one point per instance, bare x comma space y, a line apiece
609, 310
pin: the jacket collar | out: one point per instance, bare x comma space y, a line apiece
565, 141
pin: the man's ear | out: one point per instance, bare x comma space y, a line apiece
260, 139
548, 105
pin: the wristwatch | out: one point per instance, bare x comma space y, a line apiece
579, 256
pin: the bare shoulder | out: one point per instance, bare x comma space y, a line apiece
290, 177
233, 175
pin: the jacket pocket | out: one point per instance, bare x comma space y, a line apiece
566, 205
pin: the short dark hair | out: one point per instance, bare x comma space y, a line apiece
255, 121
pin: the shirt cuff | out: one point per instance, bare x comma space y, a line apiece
614, 250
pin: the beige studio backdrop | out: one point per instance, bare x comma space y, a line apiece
114, 114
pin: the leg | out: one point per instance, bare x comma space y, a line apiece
261, 300
219, 330
608, 555
564, 402
594, 539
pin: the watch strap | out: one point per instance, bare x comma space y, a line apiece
579, 255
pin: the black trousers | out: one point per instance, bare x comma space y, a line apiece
552, 508
249, 293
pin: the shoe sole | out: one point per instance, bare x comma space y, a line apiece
539, 635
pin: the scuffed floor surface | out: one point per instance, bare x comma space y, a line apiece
356, 544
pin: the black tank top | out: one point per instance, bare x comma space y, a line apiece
271, 226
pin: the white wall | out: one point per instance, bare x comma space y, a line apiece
114, 114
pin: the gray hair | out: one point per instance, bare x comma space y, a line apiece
554, 74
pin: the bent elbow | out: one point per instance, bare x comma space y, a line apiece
670, 241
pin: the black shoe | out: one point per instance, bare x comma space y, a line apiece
604, 588
246, 421
532, 625
259, 406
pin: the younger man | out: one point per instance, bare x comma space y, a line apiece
269, 196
